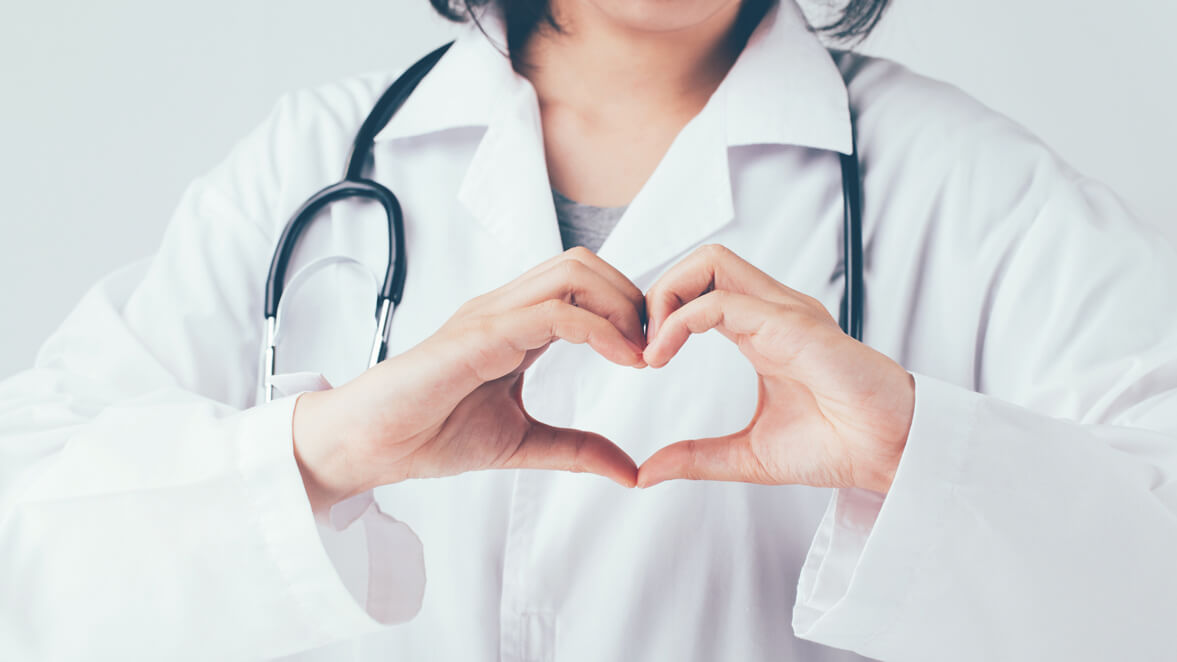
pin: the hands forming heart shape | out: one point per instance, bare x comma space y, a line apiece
832, 412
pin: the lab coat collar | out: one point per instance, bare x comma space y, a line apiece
784, 88
806, 104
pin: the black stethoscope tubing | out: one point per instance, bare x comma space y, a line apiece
355, 185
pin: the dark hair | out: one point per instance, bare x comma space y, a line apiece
853, 24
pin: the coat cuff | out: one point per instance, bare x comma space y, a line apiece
869, 548
353, 574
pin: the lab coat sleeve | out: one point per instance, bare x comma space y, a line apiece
148, 510
1033, 515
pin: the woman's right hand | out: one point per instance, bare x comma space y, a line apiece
453, 403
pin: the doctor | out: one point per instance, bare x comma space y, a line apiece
990, 475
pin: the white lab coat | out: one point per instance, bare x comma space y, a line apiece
150, 509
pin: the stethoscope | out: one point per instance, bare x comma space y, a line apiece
355, 185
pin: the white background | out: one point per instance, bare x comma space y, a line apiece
110, 108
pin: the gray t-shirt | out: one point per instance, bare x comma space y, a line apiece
584, 225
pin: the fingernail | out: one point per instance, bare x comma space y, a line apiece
639, 354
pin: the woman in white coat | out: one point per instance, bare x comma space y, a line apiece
991, 474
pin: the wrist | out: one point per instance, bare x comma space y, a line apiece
879, 478
322, 451
880, 472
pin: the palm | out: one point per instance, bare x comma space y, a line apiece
484, 430
791, 439
819, 408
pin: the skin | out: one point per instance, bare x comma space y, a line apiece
832, 411
453, 403
622, 77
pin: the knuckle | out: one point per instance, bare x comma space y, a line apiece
467, 307
483, 327
477, 334
551, 307
691, 461
715, 251
793, 323
715, 297
577, 253
579, 444
568, 271
811, 301
806, 311
796, 314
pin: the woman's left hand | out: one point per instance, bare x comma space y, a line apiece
832, 413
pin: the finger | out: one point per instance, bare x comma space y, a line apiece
567, 449
536, 325
732, 314
593, 262
573, 282
716, 458
489, 347
708, 268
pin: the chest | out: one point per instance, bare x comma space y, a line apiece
545, 548
784, 217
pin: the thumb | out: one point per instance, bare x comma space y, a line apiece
729, 457
568, 449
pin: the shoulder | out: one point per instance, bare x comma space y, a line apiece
899, 110
954, 188
953, 157
326, 114
982, 194
300, 145
888, 96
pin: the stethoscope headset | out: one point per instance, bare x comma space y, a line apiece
355, 185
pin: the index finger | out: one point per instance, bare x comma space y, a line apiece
594, 262
708, 268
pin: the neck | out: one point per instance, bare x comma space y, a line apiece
597, 65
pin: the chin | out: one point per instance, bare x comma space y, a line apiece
661, 15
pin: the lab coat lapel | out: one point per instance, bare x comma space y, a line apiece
506, 187
686, 199
689, 196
